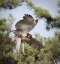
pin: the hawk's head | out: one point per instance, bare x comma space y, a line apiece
26, 37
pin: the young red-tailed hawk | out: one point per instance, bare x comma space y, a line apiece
23, 27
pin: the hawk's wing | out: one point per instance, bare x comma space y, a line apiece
34, 43
26, 24
28, 17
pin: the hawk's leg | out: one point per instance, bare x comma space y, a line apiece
18, 43
22, 47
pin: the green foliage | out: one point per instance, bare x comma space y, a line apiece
30, 50
1, 2
38, 37
10, 21
41, 13
30, 4
38, 11
6, 24
12, 55
29, 57
58, 3
5, 40
13, 2
3, 25
51, 49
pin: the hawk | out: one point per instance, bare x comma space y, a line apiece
23, 27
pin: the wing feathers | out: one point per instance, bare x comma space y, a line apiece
26, 24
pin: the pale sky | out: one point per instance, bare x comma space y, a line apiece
50, 5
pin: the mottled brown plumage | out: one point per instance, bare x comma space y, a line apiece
26, 24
